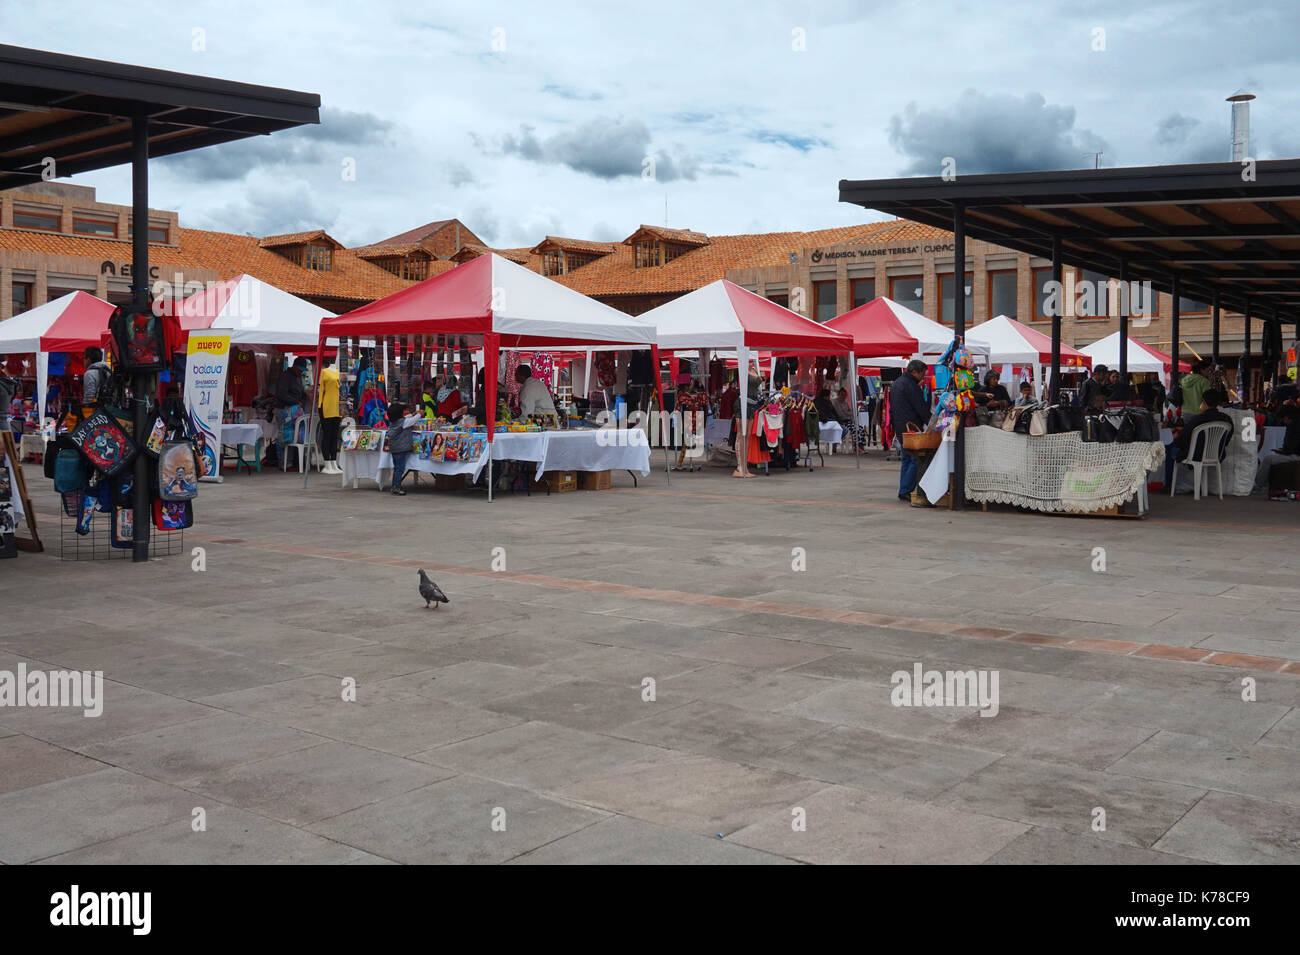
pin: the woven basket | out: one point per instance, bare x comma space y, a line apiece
922, 440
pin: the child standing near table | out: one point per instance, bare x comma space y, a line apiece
401, 441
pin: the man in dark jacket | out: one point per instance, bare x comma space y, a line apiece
907, 405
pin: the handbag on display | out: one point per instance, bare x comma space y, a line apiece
172, 515
1144, 424
1064, 418
137, 339
178, 472
52, 448
1010, 419
1038, 422
1098, 428
103, 442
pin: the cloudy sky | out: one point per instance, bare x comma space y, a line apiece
584, 120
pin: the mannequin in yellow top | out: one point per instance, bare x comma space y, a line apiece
329, 417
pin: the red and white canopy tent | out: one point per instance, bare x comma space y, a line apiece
70, 323
1012, 343
254, 313
724, 316
494, 303
1142, 358
882, 328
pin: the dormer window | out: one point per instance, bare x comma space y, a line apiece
653, 245
317, 257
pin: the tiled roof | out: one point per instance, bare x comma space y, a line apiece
414, 235
616, 274
472, 250
388, 251
573, 245
297, 238
681, 236
899, 230
349, 278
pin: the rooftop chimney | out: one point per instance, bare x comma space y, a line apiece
1240, 101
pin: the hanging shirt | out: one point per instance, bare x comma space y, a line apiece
243, 378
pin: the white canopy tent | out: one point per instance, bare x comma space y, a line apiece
255, 313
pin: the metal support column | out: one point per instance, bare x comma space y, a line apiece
1054, 372
1123, 323
1245, 357
142, 384
959, 330
1214, 330
1174, 332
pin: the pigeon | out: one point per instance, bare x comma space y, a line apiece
430, 592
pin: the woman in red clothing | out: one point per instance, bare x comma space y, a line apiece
451, 405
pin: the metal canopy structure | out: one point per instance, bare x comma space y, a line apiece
79, 111
91, 114
1223, 228
1228, 233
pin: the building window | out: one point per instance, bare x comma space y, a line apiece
1092, 295
157, 233
824, 301
1042, 293
45, 221
318, 258
782, 299
647, 255
907, 290
22, 296
101, 228
1191, 306
946, 303
415, 269
553, 262
1002, 293
864, 290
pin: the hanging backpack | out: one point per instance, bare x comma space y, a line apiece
70, 472
104, 443
173, 515
137, 340
178, 472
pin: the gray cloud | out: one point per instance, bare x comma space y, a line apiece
604, 148
776, 137
1185, 139
458, 174
572, 92
272, 208
991, 133
329, 142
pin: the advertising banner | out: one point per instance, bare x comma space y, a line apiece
207, 358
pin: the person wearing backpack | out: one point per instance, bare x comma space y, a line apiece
95, 381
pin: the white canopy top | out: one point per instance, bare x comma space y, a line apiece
1106, 352
254, 312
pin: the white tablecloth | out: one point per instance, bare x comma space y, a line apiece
831, 432
552, 450
1054, 472
247, 433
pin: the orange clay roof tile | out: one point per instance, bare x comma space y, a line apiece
350, 278
616, 273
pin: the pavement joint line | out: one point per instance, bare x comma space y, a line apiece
1155, 651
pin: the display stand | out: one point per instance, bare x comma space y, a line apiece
96, 545
31, 544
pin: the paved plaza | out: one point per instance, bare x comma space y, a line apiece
650, 679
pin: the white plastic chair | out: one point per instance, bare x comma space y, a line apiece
1207, 445
305, 447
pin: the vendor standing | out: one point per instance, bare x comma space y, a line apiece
289, 396
451, 403
907, 406
533, 397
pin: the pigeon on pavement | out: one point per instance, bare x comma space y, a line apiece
430, 592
